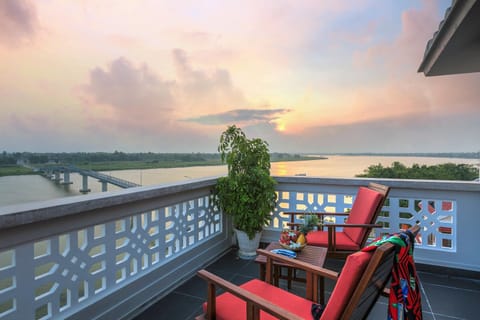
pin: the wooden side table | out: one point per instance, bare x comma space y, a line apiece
311, 254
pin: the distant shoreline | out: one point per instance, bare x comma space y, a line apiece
457, 155
176, 161
12, 170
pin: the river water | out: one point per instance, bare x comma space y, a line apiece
27, 188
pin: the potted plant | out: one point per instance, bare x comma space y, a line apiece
247, 193
310, 222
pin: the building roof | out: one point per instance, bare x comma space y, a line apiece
455, 47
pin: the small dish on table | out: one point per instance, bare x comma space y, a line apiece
292, 240
294, 246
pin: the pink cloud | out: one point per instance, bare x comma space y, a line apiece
124, 97
214, 88
129, 95
18, 21
403, 90
417, 26
123, 85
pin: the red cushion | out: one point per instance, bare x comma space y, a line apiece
347, 282
363, 210
230, 307
343, 242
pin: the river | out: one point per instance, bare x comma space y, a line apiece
27, 188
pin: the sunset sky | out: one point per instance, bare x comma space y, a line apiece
170, 76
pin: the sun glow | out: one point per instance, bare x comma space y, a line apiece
280, 126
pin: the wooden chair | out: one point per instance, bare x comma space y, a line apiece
357, 227
358, 286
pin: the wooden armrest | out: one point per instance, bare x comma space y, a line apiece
253, 301
322, 272
332, 235
297, 226
294, 224
332, 213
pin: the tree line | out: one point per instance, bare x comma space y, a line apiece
445, 171
91, 157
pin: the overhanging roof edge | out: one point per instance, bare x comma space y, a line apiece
447, 28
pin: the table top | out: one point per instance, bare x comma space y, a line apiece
311, 254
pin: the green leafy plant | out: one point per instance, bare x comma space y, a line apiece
247, 193
310, 221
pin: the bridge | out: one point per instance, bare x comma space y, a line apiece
54, 173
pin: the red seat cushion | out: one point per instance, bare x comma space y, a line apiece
230, 307
362, 212
343, 242
350, 275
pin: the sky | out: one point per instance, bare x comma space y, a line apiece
171, 76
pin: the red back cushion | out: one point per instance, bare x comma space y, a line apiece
320, 239
347, 282
363, 210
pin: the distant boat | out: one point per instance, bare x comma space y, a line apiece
300, 174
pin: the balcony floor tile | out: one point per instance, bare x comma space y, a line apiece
443, 296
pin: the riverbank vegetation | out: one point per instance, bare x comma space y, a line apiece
22, 163
445, 171
14, 170
462, 155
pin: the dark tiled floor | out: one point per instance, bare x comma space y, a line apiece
443, 296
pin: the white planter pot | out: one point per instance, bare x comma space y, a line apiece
247, 248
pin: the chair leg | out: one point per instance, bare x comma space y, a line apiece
276, 275
262, 271
322, 291
289, 277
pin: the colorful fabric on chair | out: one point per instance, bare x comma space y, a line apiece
405, 298
317, 311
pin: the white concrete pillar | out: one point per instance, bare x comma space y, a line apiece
57, 176
85, 184
66, 177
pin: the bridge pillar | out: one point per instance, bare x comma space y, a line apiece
48, 174
66, 177
57, 177
84, 184
104, 185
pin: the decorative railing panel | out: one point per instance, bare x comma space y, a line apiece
437, 216
52, 277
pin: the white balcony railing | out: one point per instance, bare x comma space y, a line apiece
109, 255
105, 254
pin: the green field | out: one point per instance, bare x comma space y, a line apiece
14, 170
126, 165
